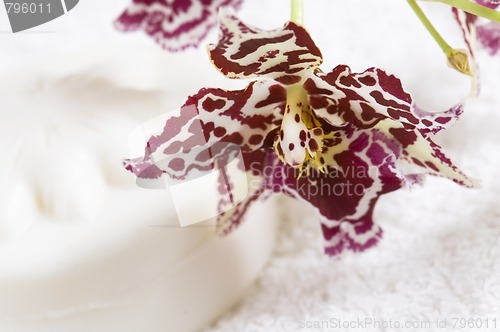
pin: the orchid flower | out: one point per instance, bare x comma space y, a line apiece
336, 141
174, 24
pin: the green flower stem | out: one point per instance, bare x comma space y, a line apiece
298, 11
428, 25
472, 8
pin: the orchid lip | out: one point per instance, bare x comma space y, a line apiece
301, 136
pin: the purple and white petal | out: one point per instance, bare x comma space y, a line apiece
360, 168
282, 54
364, 99
489, 36
467, 23
360, 98
492, 4
174, 24
259, 188
433, 122
243, 117
424, 153
212, 123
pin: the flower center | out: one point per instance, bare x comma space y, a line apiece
300, 141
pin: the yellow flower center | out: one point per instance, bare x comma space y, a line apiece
301, 136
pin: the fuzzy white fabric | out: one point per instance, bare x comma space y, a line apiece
437, 263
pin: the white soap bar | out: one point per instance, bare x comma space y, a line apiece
133, 270
84, 248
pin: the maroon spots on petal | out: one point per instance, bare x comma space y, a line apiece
329, 142
175, 25
427, 123
220, 131
173, 126
404, 136
211, 105
269, 55
443, 120
304, 40
417, 162
349, 81
277, 94
376, 154
203, 156
291, 146
302, 135
367, 80
207, 127
360, 143
176, 164
173, 148
379, 97
313, 90
489, 37
398, 114
284, 65
432, 166
252, 45
440, 155
288, 79
303, 144
392, 85
318, 131
368, 112
332, 109
313, 145
279, 150
297, 118
255, 139
318, 102
235, 138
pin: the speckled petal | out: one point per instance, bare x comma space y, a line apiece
210, 123
467, 23
359, 98
432, 123
364, 99
489, 37
255, 164
493, 4
174, 24
424, 153
282, 54
360, 170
